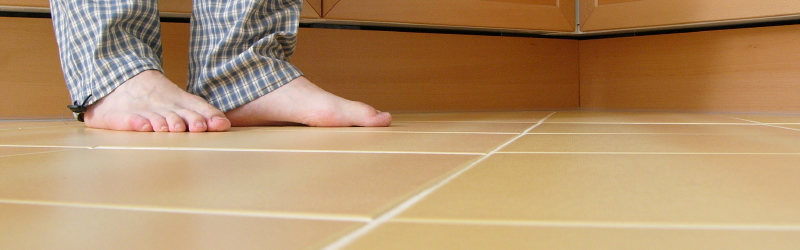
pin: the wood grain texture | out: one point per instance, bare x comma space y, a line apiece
623, 14
587, 7
32, 82
470, 13
435, 72
742, 70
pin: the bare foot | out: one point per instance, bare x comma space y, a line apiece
300, 101
151, 102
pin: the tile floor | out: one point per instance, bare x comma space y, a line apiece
510, 180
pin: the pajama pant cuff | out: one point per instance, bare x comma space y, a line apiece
112, 79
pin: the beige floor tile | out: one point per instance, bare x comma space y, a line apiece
398, 235
699, 129
423, 127
716, 190
311, 184
254, 139
655, 143
12, 124
525, 117
764, 118
54, 227
638, 117
10, 151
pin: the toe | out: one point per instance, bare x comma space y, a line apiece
134, 122
175, 122
157, 121
194, 121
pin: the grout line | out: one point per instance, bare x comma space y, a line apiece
655, 123
45, 146
761, 123
283, 150
390, 132
351, 237
275, 215
43, 152
614, 225
645, 153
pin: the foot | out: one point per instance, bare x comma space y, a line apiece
150, 102
302, 102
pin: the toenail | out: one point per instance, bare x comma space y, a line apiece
164, 129
146, 127
200, 125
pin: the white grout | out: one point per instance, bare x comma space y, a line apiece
612, 225
761, 123
241, 213
347, 239
284, 150
642, 153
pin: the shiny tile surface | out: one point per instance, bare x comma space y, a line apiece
399, 235
640, 117
763, 118
691, 129
313, 184
12, 151
425, 127
489, 180
525, 117
258, 139
656, 143
59, 227
634, 189
12, 124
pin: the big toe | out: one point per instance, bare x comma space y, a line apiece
381, 119
218, 124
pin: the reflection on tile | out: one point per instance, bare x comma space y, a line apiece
319, 184
453, 236
9, 151
251, 138
649, 189
527, 117
763, 118
703, 129
12, 124
655, 143
423, 127
54, 227
638, 117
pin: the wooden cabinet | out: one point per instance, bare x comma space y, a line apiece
543, 15
602, 15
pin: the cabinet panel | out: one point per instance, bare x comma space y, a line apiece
600, 15
545, 15
422, 72
740, 70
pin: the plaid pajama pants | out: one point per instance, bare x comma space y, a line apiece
239, 49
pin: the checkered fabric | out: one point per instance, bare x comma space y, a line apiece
239, 48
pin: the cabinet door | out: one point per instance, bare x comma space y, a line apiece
311, 8
544, 15
600, 15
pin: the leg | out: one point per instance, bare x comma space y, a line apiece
111, 56
239, 62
